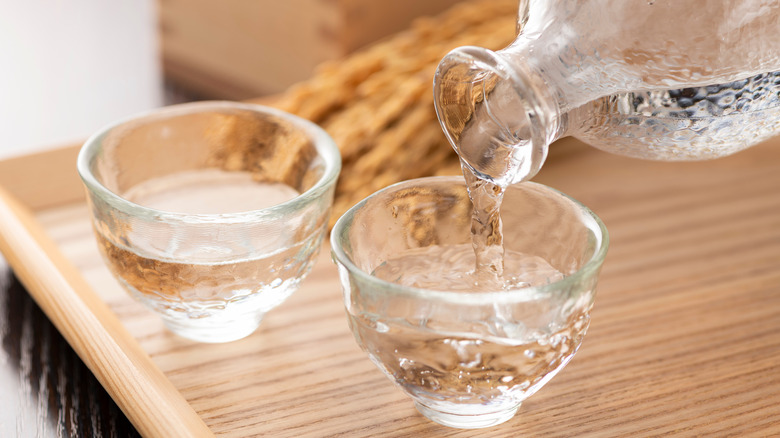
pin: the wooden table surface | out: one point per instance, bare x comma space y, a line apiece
684, 339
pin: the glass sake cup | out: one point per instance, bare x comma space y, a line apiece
210, 213
468, 359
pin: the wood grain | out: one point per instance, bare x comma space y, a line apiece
47, 389
143, 393
684, 340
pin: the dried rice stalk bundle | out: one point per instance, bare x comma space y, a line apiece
377, 104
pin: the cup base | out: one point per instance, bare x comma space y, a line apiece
465, 421
203, 330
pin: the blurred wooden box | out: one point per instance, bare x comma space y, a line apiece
238, 49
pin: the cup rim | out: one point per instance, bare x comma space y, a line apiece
321, 140
591, 267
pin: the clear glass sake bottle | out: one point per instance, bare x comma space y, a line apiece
656, 79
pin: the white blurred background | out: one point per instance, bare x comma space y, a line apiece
67, 67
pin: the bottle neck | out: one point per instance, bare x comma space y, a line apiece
555, 90
498, 111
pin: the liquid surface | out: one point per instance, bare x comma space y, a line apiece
208, 286
453, 268
197, 290
209, 191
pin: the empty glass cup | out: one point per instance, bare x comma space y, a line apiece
210, 213
467, 358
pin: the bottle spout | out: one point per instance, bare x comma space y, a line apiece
491, 113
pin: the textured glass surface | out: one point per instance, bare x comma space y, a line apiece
210, 213
468, 357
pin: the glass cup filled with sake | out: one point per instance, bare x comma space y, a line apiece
468, 341
210, 213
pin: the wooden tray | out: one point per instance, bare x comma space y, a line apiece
685, 335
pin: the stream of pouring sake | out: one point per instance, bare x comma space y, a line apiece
483, 265
494, 154
486, 228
